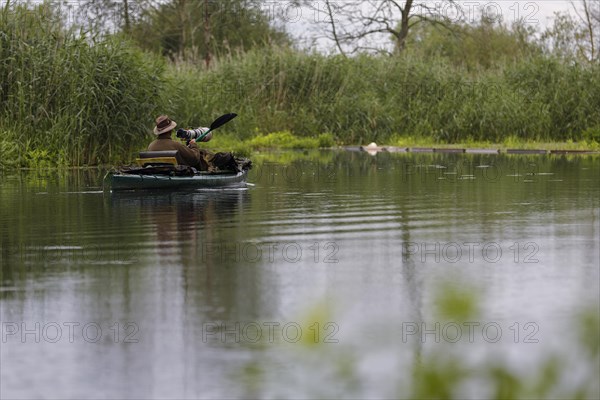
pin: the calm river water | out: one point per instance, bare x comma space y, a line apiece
334, 274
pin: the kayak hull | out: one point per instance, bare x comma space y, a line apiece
123, 181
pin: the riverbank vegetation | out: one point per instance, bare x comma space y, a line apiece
71, 96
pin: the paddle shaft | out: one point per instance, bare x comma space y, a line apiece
222, 120
203, 135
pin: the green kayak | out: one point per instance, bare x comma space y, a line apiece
128, 181
163, 170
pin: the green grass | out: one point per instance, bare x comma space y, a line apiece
510, 142
286, 140
271, 141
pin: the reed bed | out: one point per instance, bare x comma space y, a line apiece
367, 98
69, 98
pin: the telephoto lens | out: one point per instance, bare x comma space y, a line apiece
189, 134
184, 134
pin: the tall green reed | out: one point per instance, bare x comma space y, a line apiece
375, 98
84, 101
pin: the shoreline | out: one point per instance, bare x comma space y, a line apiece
246, 148
288, 141
470, 150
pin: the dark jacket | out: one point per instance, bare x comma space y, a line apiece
190, 155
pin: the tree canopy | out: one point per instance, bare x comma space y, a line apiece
190, 30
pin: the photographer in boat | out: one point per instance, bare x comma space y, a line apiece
190, 154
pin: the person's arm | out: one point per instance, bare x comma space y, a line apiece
190, 154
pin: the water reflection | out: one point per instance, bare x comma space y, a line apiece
361, 241
200, 233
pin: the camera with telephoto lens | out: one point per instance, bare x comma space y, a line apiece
189, 134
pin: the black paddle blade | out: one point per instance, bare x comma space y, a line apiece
222, 120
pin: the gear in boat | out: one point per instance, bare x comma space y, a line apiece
163, 169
